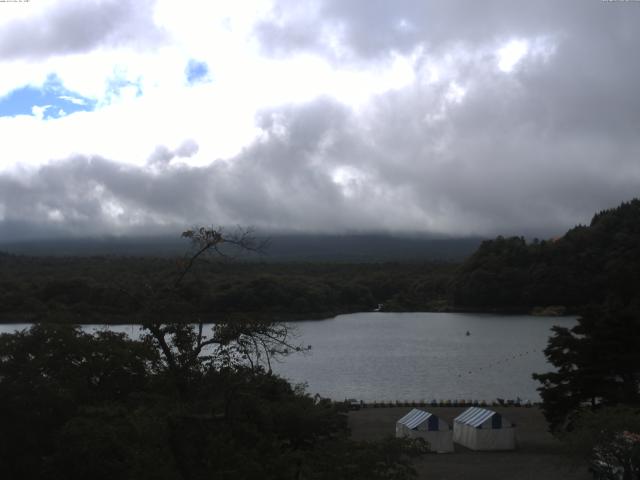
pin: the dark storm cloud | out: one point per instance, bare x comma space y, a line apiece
274, 183
92, 195
79, 26
590, 81
282, 181
398, 178
370, 28
538, 149
480, 166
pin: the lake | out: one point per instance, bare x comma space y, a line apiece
415, 356
377, 356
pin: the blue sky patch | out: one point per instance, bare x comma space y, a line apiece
118, 83
52, 100
196, 71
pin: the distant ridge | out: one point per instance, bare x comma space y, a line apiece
282, 247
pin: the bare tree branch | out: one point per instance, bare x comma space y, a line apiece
233, 342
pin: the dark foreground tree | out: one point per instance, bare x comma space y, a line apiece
180, 403
51, 376
597, 362
609, 440
592, 400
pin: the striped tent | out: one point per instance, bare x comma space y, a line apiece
481, 429
425, 425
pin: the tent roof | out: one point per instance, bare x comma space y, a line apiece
474, 416
414, 418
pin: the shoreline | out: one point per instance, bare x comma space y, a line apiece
133, 319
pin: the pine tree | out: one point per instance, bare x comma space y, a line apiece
597, 362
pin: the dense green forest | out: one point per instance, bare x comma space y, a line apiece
185, 401
107, 288
79, 405
82, 406
586, 265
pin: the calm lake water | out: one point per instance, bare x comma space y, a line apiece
415, 356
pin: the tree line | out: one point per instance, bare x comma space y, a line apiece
585, 266
592, 397
183, 402
105, 289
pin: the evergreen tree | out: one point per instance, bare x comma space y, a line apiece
597, 362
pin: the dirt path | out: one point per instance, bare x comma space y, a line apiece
538, 455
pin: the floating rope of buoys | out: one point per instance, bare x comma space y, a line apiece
500, 361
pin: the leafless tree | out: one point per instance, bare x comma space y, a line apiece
184, 343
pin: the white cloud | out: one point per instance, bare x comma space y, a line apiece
39, 111
510, 54
74, 100
396, 115
143, 98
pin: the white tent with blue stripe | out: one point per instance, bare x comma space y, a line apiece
420, 424
481, 429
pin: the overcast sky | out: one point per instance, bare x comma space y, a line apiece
448, 117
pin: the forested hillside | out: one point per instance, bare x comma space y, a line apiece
107, 289
586, 265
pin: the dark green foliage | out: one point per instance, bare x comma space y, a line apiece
586, 265
47, 374
597, 362
78, 406
388, 459
97, 444
609, 440
109, 289
182, 403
